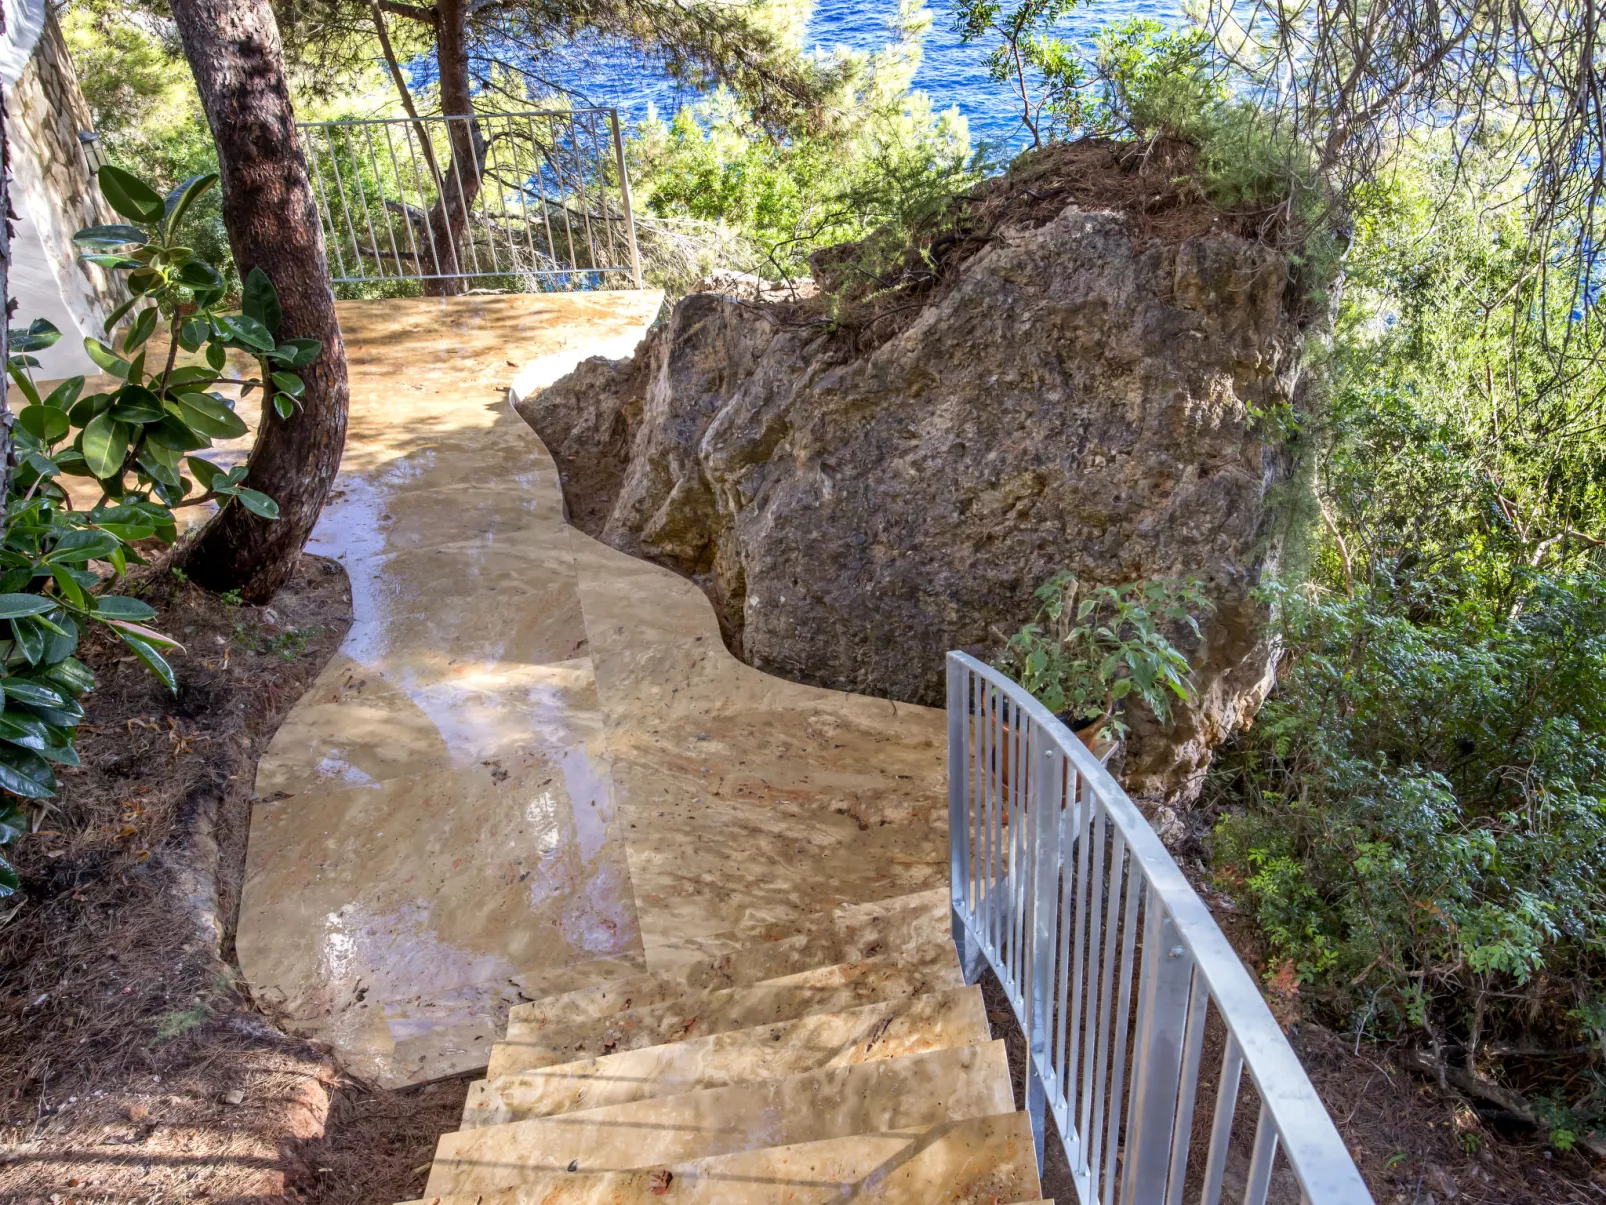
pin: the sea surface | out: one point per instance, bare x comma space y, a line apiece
951, 73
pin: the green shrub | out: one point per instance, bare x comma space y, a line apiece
135, 442
1091, 649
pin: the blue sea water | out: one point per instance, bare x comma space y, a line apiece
951, 73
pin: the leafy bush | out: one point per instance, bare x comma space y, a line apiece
1090, 649
1417, 818
1424, 823
134, 442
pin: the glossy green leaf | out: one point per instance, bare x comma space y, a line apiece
71, 675
25, 690
13, 823
144, 323
210, 416
198, 275
106, 359
135, 404
42, 464
249, 331
68, 585
105, 445
120, 606
23, 772
205, 471
260, 301
180, 200
191, 375
283, 405
44, 421
149, 635
192, 333
14, 606
130, 196
288, 382
297, 353
86, 408
116, 316
30, 638
151, 659
109, 236
62, 755
216, 356
59, 646
258, 503
38, 335
65, 394
77, 547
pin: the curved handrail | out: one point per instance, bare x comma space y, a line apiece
1044, 889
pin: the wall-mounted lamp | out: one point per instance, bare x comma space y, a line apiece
96, 158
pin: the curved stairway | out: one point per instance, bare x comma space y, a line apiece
840, 1058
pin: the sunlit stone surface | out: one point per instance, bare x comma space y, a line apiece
533, 765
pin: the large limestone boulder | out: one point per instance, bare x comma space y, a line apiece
1081, 396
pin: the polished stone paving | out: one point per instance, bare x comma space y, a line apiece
533, 765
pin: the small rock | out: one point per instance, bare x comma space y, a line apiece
233, 1096
138, 1112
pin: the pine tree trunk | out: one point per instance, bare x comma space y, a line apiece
448, 219
272, 218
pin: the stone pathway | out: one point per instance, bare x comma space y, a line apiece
533, 766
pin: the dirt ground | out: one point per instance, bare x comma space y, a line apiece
133, 1064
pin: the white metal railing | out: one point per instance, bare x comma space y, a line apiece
524, 201
1119, 975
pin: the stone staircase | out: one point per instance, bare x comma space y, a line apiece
841, 1058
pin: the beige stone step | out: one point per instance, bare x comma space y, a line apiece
535, 1043
907, 928
980, 1161
885, 1030
856, 925
912, 1093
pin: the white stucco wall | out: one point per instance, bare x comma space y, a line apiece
52, 192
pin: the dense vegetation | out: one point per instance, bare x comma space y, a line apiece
1418, 817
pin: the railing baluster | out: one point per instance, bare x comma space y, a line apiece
1095, 914
1123, 1015
1192, 1050
1258, 1182
1044, 828
1101, 1078
1232, 1068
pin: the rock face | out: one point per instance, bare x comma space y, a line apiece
1078, 398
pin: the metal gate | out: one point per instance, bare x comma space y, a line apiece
516, 202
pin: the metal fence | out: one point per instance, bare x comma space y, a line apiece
524, 202
1120, 977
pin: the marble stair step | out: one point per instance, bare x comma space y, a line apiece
914, 1092
913, 935
534, 1044
856, 925
885, 1030
979, 1161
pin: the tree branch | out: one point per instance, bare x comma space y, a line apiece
413, 12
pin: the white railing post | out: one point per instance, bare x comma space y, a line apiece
961, 725
1043, 825
1162, 1007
